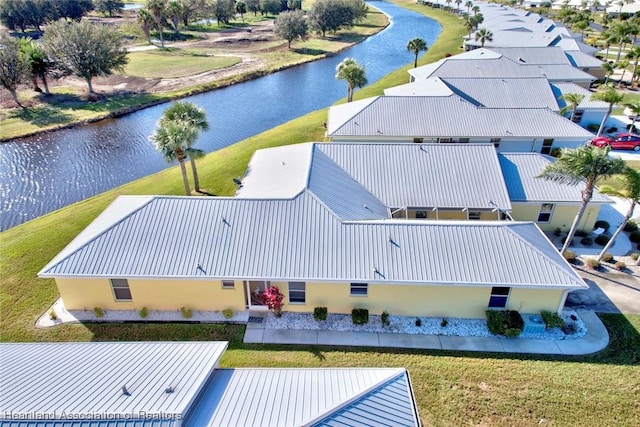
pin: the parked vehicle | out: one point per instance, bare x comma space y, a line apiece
622, 141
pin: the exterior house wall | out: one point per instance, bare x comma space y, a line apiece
416, 300
562, 216
81, 294
592, 116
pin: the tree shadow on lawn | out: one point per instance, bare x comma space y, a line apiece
310, 52
41, 116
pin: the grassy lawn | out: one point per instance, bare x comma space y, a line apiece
176, 63
451, 388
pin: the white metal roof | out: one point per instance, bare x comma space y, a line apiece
448, 117
520, 173
560, 89
311, 397
86, 380
301, 239
534, 55
582, 59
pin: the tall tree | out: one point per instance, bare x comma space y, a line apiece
253, 6
292, 25
586, 164
146, 21
611, 97
622, 65
572, 100
13, 66
468, 4
634, 106
608, 71
191, 9
224, 10
108, 7
475, 9
241, 8
174, 13
158, 9
270, 7
85, 50
631, 192
169, 137
416, 46
483, 35
634, 55
192, 115
353, 73
39, 63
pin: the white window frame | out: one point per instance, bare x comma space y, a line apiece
124, 284
474, 215
298, 292
542, 211
228, 284
547, 146
359, 289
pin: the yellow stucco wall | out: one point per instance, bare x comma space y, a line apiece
413, 300
445, 214
80, 294
562, 216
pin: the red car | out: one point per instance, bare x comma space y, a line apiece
622, 141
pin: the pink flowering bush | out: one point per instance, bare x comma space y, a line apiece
272, 298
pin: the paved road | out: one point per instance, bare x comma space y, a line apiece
609, 292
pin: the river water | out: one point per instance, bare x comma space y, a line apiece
46, 172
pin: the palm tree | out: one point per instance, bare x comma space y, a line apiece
581, 25
475, 9
631, 192
484, 35
469, 23
468, 5
157, 9
623, 64
448, 2
353, 73
146, 21
174, 11
457, 2
584, 164
195, 116
169, 138
608, 71
634, 55
610, 96
572, 100
416, 46
39, 64
634, 106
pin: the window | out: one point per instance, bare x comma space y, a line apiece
464, 140
545, 212
421, 214
121, 289
499, 297
577, 117
546, 146
444, 140
228, 284
297, 293
496, 142
474, 215
359, 289
418, 140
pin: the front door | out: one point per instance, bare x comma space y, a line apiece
254, 290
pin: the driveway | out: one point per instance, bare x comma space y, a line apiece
609, 291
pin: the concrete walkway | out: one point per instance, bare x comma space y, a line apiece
597, 339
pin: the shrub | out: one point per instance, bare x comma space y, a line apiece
384, 317
144, 312
272, 298
98, 312
512, 332
570, 256
586, 241
360, 316
499, 321
630, 226
581, 233
603, 239
418, 322
593, 127
557, 232
186, 312
634, 236
555, 152
607, 257
53, 315
593, 263
320, 313
635, 256
551, 319
620, 265
602, 224
444, 322
227, 313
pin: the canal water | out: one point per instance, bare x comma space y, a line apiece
46, 172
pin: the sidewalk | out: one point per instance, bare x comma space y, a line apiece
597, 339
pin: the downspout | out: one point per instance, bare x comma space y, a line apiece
562, 301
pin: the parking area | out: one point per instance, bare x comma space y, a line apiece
609, 291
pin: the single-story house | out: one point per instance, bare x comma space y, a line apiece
326, 237
589, 111
448, 119
171, 384
580, 57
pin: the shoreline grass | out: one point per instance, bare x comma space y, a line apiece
450, 388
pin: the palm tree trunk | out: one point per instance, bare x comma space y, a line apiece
14, 95
196, 180
619, 52
622, 76
627, 217
635, 68
587, 193
604, 120
46, 84
349, 93
160, 35
415, 61
185, 178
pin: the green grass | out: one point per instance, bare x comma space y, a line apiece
450, 388
170, 64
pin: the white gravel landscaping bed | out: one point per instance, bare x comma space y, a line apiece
407, 325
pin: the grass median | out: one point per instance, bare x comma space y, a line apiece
450, 388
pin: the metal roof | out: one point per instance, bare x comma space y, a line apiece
448, 117
534, 55
520, 173
86, 380
582, 59
501, 67
560, 89
313, 397
301, 239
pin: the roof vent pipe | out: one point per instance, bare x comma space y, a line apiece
125, 391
